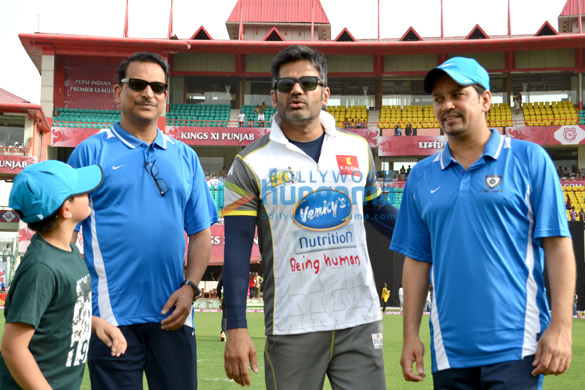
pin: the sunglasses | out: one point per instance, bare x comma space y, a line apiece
307, 83
140, 85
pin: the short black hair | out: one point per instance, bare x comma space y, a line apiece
479, 89
47, 224
142, 57
298, 53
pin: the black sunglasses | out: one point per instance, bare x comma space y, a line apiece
140, 85
161, 185
307, 83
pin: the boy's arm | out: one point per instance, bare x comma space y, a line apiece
18, 358
110, 335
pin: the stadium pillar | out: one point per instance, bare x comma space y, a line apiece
580, 91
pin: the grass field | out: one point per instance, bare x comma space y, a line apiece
212, 376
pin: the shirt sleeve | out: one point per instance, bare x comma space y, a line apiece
30, 295
239, 236
241, 193
411, 234
548, 203
373, 189
381, 215
200, 212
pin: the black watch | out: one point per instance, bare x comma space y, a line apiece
194, 287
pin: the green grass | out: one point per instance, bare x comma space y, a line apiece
210, 349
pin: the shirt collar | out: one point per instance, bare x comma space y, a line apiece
327, 121
493, 149
132, 142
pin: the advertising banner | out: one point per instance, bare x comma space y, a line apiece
218, 245
70, 137
216, 136
15, 164
8, 221
550, 135
411, 146
90, 84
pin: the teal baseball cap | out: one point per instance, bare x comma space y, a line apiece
464, 71
41, 188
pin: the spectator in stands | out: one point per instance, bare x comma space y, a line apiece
573, 214
408, 170
48, 308
408, 130
397, 130
560, 171
502, 339
414, 131
252, 286
582, 215
261, 118
263, 106
241, 118
149, 177
257, 109
517, 102
316, 325
222, 172
566, 173
568, 203
384, 296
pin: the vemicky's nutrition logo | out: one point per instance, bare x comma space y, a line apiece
323, 209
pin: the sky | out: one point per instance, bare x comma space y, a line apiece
150, 19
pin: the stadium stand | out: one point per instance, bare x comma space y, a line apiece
500, 115
548, 114
251, 117
349, 116
85, 118
394, 195
419, 117
199, 115
577, 196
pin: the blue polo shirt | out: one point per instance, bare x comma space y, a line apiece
134, 240
481, 230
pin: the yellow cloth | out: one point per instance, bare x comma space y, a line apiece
385, 294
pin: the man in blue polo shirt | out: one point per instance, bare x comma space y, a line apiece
154, 191
480, 219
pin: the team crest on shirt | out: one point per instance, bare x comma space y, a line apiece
492, 181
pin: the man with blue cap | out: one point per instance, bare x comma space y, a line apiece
48, 308
480, 219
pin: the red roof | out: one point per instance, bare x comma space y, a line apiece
7, 97
571, 8
278, 11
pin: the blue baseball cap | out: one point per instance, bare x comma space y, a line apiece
40, 189
464, 71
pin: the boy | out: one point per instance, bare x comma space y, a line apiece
48, 309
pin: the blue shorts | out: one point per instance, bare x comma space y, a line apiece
502, 376
168, 358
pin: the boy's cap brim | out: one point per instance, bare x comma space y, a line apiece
40, 189
464, 71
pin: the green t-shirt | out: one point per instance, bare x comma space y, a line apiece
51, 291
